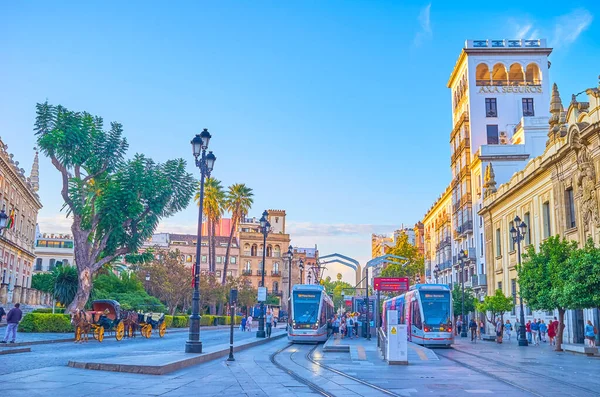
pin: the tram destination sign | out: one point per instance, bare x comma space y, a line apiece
395, 284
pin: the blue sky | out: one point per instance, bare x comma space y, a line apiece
337, 112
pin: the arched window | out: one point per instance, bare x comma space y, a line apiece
269, 250
247, 268
52, 264
254, 250
482, 75
276, 268
277, 251
65, 262
275, 286
247, 249
532, 74
38, 264
516, 75
499, 74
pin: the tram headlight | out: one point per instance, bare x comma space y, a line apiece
316, 325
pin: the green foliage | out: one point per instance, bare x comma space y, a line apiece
127, 290
43, 282
496, 305
116, 202
177, 321
57, 310
42, 322
272, 300
238, 201
405, 249
336, 288
583, 284
457, 300
66, 284
544, 276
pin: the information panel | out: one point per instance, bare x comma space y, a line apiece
394, 284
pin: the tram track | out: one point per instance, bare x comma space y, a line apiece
312, 385
520, 369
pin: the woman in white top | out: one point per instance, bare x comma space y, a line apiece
249, 323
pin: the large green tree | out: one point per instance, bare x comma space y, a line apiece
213, 208
238, 201
495, 306
412, 267
545, 276
583, 286
115, 203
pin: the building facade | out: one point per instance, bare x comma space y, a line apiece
251, 251
500, 93
437, 227
19, 199
555, 194
186, 244
52, 249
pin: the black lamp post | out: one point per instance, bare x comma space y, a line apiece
518, 234
147, 280
265, 228
205, 162
462, 258
301, 267
290, 254
309, 278
436, 273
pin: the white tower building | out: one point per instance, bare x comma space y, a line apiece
500, 101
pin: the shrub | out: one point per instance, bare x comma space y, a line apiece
58, 310
46, 322
180, 321
206, 319
168, 321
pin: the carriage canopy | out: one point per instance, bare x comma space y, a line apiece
111, 306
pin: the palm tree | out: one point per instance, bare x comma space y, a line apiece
238, 201
214, 205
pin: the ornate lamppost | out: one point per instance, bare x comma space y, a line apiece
436, 273
265, 228
518, 234
309, 278
462, 258
205, 162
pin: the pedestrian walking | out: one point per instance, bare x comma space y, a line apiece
249, 323
473, 328
543, 331
552, 328
274, 321
336, 326
508, 329
269, 323
12, 319
590, 334
350, 326
343, 328
528, 331
499, 328
517, 328
243, 324
481, 329
356, 325
535, 332
459, 326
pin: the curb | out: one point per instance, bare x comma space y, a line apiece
172, 366
331, 347
51, 341
14, 351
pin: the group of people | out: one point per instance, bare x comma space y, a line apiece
270, 322
345, 326
537, 331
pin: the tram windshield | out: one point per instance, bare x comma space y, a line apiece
436, 307
306, 306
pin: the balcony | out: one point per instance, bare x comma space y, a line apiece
275, 273
246, 272
465, 228
479, 280
259, 272
445, 242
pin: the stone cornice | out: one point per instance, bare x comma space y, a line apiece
16, 177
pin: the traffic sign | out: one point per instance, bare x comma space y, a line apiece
262, 294
394, 284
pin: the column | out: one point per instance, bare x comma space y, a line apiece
24, 296
16, 296
3, 293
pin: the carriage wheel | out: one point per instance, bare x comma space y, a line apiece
120, 331
99, 333
130, 331
147, 331
95, 331
162, 329
77, 334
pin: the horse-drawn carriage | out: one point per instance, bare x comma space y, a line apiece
106, 316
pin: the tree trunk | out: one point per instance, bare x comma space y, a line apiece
84, 288
225, 265
560, 330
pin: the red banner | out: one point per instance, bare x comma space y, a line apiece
394, 284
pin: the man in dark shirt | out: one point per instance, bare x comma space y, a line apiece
12, 319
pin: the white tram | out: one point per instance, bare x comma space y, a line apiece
310, 307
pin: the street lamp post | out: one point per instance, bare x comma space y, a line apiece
290, 257
205, 162
265, 228
461, 260
436, 273
301, 266
147, 280
518, 234
309, 278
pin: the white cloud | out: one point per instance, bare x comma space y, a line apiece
336, 229
569, 27
425, 31
522, 30
58, 223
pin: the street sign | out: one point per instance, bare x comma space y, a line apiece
394, 284
262, 294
